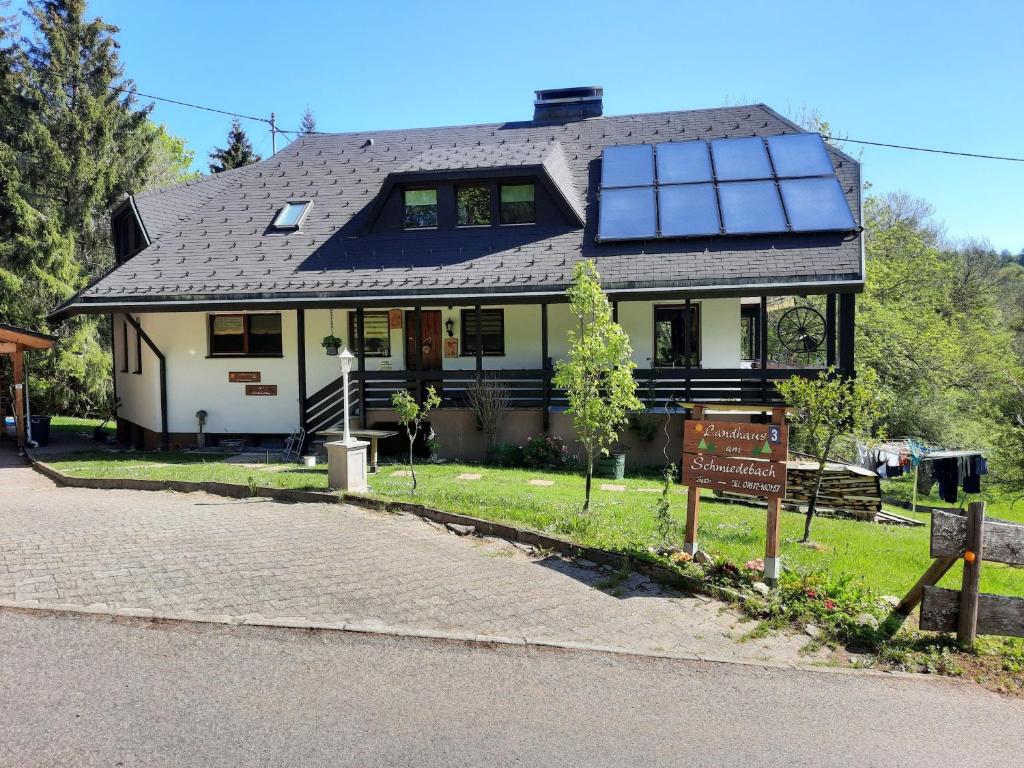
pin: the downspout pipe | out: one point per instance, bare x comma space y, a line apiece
164, 435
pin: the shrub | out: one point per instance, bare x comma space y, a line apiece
508, 455
543, 452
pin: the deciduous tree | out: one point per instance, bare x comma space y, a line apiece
827, 407
598, 375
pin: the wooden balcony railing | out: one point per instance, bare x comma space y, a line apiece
532, 388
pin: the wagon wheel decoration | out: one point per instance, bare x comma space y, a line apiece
801, 329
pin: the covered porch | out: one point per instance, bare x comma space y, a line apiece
697, 348
14, 343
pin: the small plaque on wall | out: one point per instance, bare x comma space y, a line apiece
451, 347
395, 319
261, 390
246, 376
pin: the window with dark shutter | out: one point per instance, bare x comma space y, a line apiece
245, 335
492, 331
377, 335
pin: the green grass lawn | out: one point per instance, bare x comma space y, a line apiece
997, 504
74, 425
889, 559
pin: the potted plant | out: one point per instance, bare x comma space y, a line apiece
331, 343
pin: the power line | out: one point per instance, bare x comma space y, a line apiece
297, 133
925, 149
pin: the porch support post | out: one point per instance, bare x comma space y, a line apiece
688, 346
18, 361
545, 367
830, 329
762, 331
300, 340
164, 435
360, 341
479, 342
847, 318
419, 354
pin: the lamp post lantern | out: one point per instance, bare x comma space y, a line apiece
345, 359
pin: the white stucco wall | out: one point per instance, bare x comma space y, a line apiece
196, 381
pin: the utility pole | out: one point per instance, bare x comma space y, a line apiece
273, 134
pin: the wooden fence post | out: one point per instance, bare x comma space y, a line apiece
967, 628
692, 499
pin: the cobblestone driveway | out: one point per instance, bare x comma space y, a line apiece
181, 554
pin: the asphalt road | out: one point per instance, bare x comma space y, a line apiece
95, 691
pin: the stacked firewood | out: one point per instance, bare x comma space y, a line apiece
844, 489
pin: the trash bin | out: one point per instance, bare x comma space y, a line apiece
41, 430
10, 427
611, 466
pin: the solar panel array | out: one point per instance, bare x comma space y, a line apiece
745, 186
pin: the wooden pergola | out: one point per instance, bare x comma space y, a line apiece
14, 342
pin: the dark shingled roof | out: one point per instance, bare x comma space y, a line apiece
211, 242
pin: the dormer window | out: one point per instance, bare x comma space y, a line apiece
517, 204
419, 209
292, 215
474, 205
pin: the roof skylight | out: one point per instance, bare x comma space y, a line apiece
291, 215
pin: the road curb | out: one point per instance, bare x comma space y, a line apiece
380, 629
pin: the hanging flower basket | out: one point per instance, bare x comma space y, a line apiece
331, 344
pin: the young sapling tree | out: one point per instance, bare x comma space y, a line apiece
411, 415
598, 375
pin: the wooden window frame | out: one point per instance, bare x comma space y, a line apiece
437, 207
138, 353
124, 345
210, 354
753, 336
524, 183
463, 314
489, 186
698, 352
353, 335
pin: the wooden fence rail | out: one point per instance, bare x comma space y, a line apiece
968, 612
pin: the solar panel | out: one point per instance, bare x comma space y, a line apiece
684, 161
751, 207
688, 210
738, 159
627, 166
799, 154
627, 214
816, 204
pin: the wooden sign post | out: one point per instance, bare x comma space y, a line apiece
748, 459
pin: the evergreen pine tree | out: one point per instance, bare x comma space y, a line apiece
237, 153
308, 122
72, 143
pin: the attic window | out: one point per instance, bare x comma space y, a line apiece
517, 206
291, 215
420, 209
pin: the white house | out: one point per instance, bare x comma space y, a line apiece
723, 237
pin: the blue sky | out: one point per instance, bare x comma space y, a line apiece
938, 74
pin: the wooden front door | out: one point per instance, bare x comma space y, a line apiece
430, 339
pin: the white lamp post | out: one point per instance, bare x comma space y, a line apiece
345, 359
346, 459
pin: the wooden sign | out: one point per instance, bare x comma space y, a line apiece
752, 477
395, 319
243, 376
261, 390
727, 438
451, 347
